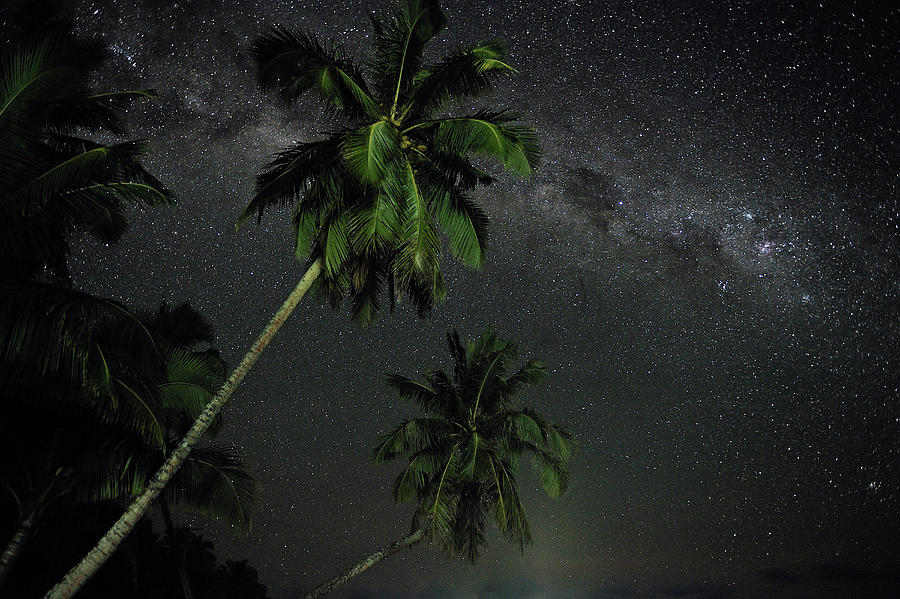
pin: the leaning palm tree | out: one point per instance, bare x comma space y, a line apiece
462, 456
369, 197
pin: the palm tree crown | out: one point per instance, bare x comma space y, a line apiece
369, 197
463, 454
53, 179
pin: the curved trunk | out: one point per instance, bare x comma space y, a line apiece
366, 563
96, 557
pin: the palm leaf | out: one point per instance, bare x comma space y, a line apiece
418, 260
466, 72
399, 42
491, 134
409, 389
214, 481
294, 62
368, 152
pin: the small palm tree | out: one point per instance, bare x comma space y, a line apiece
463, 454
369, 198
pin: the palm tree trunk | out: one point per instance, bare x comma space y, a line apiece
22, 535
179, 559
14, 547
366, 563
96, 557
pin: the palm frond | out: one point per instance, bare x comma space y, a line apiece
293, 62
532, 373
79, 171
399, 41
370, 151
469, 522
411, 390
465, 224
418, 260
214, 481
290, 174
192, 379
335, 244
410, 437
466, 72
493, 134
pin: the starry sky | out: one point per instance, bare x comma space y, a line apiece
708, 260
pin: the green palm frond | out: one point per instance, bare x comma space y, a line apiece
294, 62
418, 259
509, 513
214, 481
409, 389
335, 244
469, 521
374, 223
422, 467
533, 372
54, 334
399, 41
28, 79
370, 151
466, 226
289, 175
466, 72
493, 134
410, 437
192, 379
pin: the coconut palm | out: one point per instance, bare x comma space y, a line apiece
89, 458
463, 454
54, 180
369, 197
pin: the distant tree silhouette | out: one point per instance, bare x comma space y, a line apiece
463, 454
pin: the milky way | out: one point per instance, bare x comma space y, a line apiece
707, 259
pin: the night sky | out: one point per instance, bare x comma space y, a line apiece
708, 260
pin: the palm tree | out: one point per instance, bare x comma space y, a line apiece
89, 458
370, 196
54, 180
464, 453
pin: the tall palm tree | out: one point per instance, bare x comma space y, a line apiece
462, 456
370, 196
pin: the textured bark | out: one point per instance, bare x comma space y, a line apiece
366, 563
14, 547
106, 546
